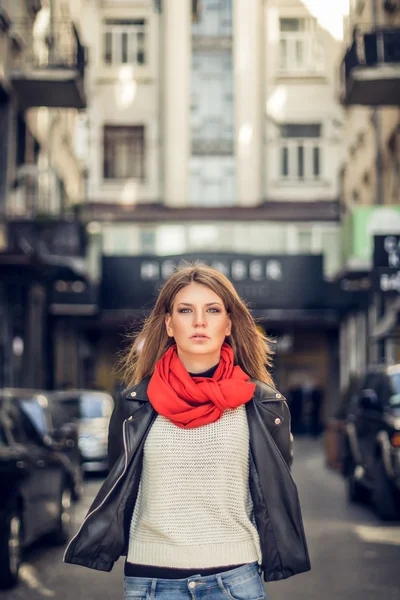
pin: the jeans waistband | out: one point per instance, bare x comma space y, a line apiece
238, 575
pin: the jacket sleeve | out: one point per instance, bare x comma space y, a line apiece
282, 435
115, 430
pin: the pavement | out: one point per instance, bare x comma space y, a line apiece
354, 556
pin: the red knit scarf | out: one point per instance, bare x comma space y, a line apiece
195, 401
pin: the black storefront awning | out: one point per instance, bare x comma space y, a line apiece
70, 289
276, 288
52, 251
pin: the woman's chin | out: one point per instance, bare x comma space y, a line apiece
201, 349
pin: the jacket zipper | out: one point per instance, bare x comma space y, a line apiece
109, 492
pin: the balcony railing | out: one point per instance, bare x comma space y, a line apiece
370, 72
36, 193
49, 70
300, 53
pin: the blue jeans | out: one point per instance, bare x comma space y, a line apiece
243, 583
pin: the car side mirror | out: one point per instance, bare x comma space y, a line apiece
369, 400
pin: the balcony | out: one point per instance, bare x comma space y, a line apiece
56, 241
36, 193
300, 55
370, 71
50, 67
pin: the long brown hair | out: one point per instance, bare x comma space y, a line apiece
251, 348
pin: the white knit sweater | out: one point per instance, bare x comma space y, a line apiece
194, 508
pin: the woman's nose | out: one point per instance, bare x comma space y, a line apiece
199, 319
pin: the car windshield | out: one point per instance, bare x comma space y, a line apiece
88, 406
395, 384
36, 415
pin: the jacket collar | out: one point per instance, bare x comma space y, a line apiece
264, 392
138, 391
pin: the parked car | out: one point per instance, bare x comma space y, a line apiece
64, 434
91, 410
37, 481
371, 462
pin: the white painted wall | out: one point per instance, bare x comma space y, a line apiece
248, 76
262, 98
305, 99
122, 96
301, 98
176, 98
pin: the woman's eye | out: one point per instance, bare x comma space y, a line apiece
186, 310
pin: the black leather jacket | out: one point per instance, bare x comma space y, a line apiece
104, 534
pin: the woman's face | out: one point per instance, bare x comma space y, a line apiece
199, 323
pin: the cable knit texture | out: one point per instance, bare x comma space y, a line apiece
194, 508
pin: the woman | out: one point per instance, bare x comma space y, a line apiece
199, 496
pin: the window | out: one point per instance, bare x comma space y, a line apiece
195, 10
394, 390
360, 5
304, 241
20, 427
86, 406
14, 427
125, 42
124, 155
147, 241
300, 152
212, 18
36, 415
300, 48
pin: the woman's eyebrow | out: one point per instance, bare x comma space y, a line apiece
188, 304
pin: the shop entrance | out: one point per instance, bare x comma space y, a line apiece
304, 365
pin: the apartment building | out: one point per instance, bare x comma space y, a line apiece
370, 91
209, 106
43, 275
215, 127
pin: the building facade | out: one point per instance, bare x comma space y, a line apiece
215, 126
370, 87
42, 247
227, 116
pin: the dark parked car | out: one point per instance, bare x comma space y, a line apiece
371, 462
38, 484
91, 411
64, 434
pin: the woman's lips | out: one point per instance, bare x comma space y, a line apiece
199, 337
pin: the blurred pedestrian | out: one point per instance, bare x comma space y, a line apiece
316, 402
199, 498
295, 400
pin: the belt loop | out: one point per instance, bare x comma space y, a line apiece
220, 582
153, 588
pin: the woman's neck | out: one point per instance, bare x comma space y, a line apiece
199, 364
208, 373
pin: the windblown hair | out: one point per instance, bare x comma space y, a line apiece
251, 348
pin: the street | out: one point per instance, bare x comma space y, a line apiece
204, 194
354, 556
